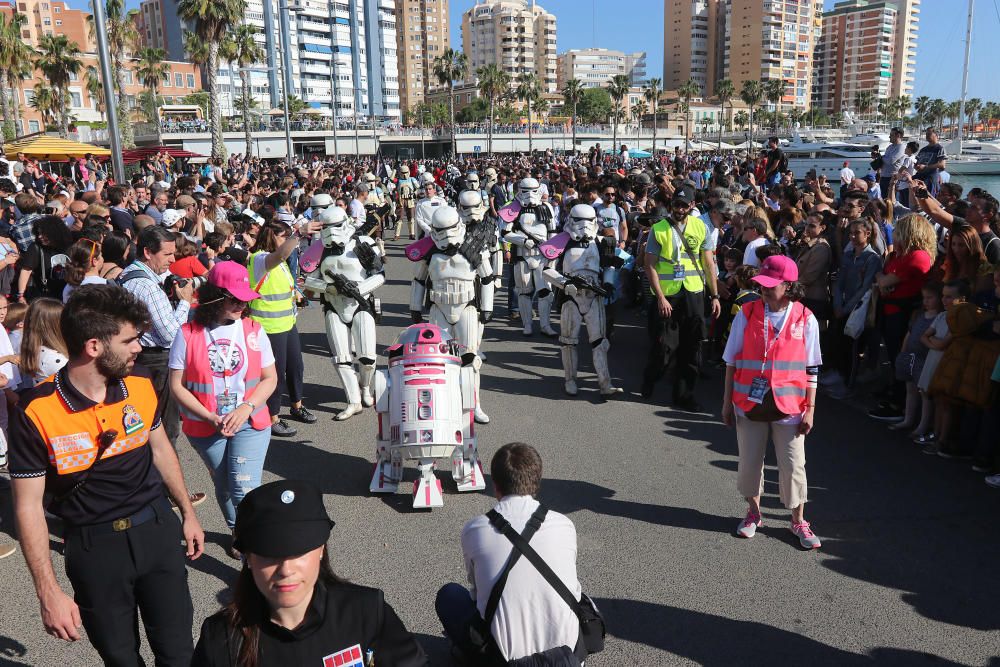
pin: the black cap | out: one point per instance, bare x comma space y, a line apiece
282, 519
683, 194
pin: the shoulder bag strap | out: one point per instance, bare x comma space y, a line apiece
687, 250
498, 521
521, 545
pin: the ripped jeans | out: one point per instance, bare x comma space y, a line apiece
236, 464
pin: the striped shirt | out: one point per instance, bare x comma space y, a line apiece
165, 318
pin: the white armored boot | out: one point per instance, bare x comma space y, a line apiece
570, 361
480, 414
365, 375
524, 307
545, 315
350, 381
603, 372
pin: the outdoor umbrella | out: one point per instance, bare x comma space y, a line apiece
44, 147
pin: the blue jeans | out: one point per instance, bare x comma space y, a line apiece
456, 609
236, 464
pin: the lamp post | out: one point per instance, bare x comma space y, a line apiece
286, 63
110, 101
333, 79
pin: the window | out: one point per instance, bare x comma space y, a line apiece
190, 80
32, 124
127, 75
178, 79
29, 97
166, 80
75, 99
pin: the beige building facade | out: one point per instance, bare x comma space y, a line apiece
517, 35
596, 67
693, 43
421, 36
904, 64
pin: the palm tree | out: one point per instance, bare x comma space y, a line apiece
15, 62
688, 91
529, 91
903, 103
724, 90
123, 40
652, 93
450, 67
618, 89
573, 93
774, 90
494, 83
149, 103
937, 111
922, 109
972, 107
752, 93
59, 60
864, 101
151, 70
638, 111
44, 102
95, 89
242, 48
213, 20
740, 119
989, 113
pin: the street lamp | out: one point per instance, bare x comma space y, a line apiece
286, 63
333, 79
110, 101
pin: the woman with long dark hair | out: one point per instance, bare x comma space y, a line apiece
42, 264
288, 607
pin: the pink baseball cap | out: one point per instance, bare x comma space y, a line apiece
232, 277
776, 269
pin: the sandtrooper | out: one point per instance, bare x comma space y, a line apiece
533, 225
581, 260
447, 275
406, 189
348, 275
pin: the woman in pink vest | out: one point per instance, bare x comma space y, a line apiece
222, 373
772, 363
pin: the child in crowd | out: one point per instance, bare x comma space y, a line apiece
744, 277
910, 363
13, 323
43, 350
937, 338
10, 378
85, 265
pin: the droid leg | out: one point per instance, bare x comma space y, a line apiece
427, 490
522, 284
339, 336
465, 467
388, 470
545, 299
363, 336
569, 336
596, 331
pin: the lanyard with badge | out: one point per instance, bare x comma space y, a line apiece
226, 401
759, 386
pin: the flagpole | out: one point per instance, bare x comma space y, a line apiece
110, 101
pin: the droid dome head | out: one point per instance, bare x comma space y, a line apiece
471, 207
529, 192
337, 227
472, 181
447, 229
582, 223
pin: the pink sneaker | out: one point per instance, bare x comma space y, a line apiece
807, 538
748, 527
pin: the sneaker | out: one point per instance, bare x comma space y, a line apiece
748, 527
303, 415
7, 547
981, 467
807, 538
931, 448
886, 413
994, 481
925, 439
232, 551
283, 429
196, 498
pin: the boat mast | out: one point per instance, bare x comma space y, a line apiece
965, 78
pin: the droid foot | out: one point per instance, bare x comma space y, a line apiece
348, 412
481, 416
472, 477
427, 493
382, 480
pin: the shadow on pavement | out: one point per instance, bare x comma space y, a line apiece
11, 648
332, 473
437, 648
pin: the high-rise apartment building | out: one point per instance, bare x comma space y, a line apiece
517, 35
596, 67
347, 47
855, 53
421, 36
693, 43
773, 39
157, 30
904, 64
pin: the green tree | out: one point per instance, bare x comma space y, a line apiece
741, 119
123, 39
494, 83
449, 67
95, 89
618, 89
528, 91
752, 94
213, 19
973, 106
595, 106
44, 102
15, 60
149, 103
296, 106
651, 93
921, 109
201, 98
475, 112
59, 60
243, 50
864, 101
774, 90
688, 91
725, 90
151, 69
573, 94
639, 110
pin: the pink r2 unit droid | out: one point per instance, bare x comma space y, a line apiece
426, 403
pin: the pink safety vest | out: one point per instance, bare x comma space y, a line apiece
784, 366
198, 378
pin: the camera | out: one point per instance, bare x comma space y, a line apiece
172, 282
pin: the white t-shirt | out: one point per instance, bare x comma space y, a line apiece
87, 280
9, 370
750, 254
846, 175
814, 357
218, 341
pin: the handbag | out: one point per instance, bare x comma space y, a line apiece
857, 320
592, 626
766, 411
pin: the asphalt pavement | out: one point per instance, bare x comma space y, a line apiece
907, 574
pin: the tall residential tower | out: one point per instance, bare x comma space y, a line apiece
693, 43
517, 35
421, 36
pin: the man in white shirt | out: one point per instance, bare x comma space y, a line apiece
356, 209
846, 177
892, 159
530, 617
754, 234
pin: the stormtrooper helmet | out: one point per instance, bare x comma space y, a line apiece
491, 177
472, 181
447, 229
337, 227
404, 171
320, 201
529, 192
421, 169
371, 179
582, 223
471, 207
426, 179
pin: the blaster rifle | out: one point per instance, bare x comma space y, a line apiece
350, 288
582, 283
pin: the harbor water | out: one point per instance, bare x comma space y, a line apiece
990, 182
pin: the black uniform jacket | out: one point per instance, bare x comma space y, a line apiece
343, 621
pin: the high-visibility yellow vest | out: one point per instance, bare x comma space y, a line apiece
675, 267
275, 309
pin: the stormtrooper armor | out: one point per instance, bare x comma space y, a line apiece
581, 260
349, 272
535, 223
427, 205
447, 276
406, 189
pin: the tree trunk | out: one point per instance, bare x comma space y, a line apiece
63, 113
493, 99
245, 91
15, 106
574, 128
529, 128
8, 125
214, 111
654, 129
614, 128
125, 130
156, 117
722, 118
451, 111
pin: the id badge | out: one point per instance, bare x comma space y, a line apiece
758, 389
224, 404
678, 272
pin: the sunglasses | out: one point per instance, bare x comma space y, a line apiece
233, 300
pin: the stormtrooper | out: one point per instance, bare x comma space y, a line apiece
451, 260
532, 222
474, 212
349, 272
581, 261
429, 202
